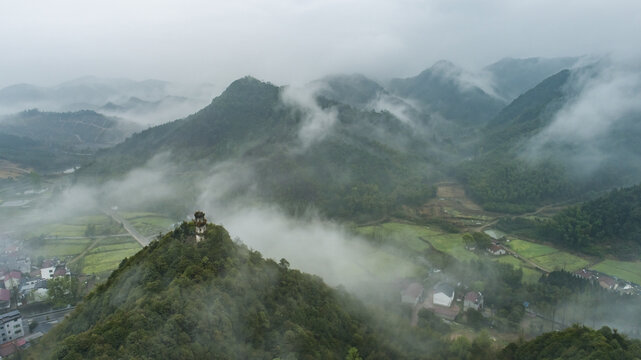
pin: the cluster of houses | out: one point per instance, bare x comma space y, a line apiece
609, 282
22, 282
441, 299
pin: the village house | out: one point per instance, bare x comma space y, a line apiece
412, 294
473, 300
23, 264
11, 333
496, 250
11, 326
47, 272
585, 274
5, 299
607, 282
443, 294
12, 280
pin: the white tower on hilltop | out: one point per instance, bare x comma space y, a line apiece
201, 225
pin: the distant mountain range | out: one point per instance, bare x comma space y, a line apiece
145, 102
385, 145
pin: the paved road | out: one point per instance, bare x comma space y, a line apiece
142, 240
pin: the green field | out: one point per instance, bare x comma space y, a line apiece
560, 261
546, 256
99, 253
409, 236
626, 270
60, 247
529, 249
149, 224
105, 258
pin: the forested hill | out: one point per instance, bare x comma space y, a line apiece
610, 224
575, 343
176, 299
520, 167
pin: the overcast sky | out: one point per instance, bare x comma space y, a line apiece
292, 41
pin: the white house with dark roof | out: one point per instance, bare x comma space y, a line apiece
443, 294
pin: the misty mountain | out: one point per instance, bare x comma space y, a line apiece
145, 102
564, 138
292, 145
513, 77
449, 91
81, 129
177, 299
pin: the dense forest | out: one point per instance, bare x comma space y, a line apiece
575, 343
609, 224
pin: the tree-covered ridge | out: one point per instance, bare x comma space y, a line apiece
34, 154
611, 223
576, 342
179, 300
375, 161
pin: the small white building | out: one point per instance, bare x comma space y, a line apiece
443, 294
47, 272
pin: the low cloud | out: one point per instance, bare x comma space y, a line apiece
604, 99
317, 122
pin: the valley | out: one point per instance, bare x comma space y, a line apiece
384, 199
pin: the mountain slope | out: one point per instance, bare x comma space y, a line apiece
513, 77
374, 159
176, 299
442, 89
40, 156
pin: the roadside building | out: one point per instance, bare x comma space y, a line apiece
473, 300
11, 326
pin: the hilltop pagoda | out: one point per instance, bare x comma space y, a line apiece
201, 225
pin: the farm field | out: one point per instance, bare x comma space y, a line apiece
529, 249
560, 261
408, 236
626, 270
546, 256
107, 256
96, 243
149, 224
